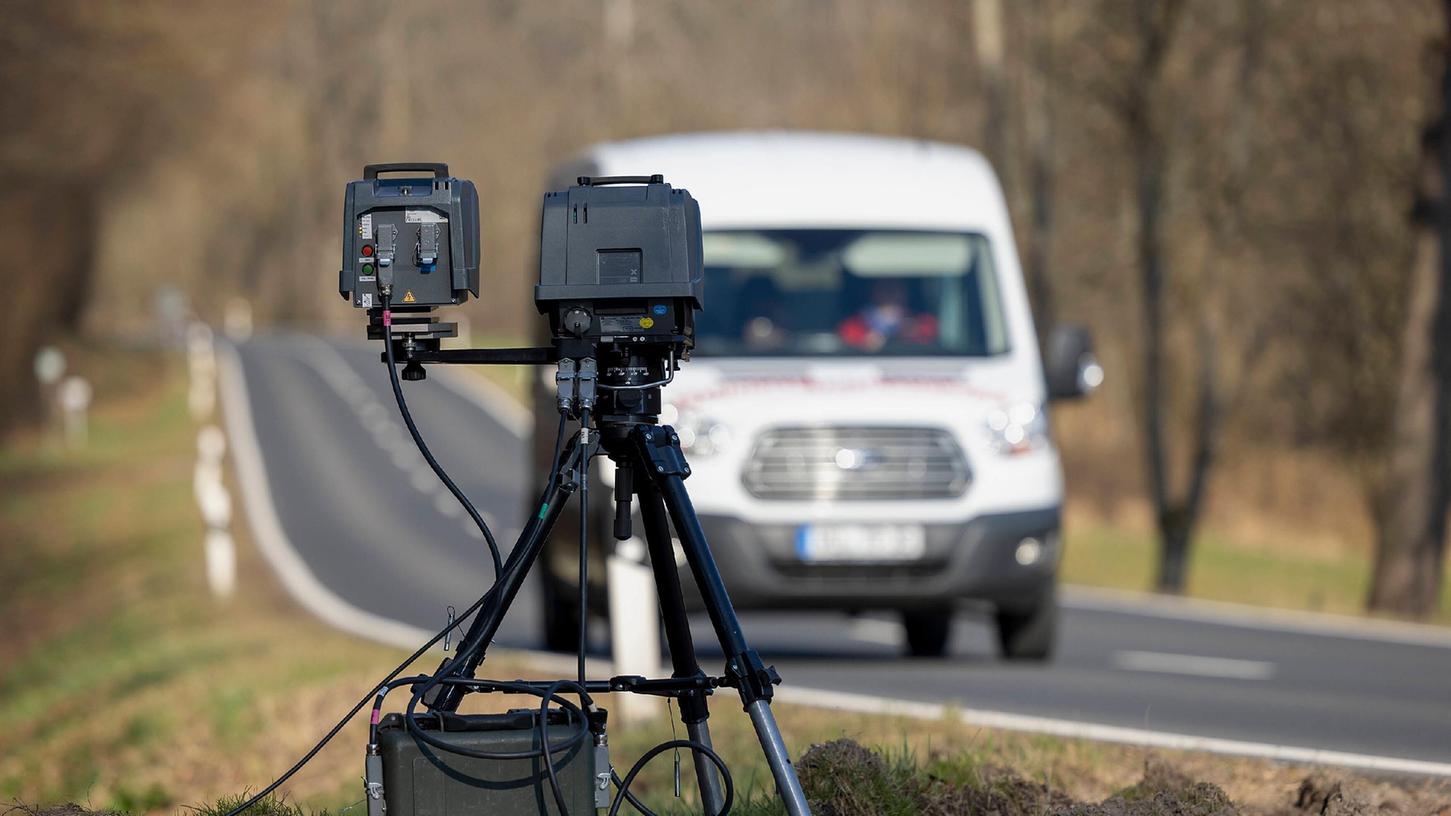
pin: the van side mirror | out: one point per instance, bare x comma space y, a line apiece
1071, 367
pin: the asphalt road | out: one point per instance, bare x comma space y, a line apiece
374, 526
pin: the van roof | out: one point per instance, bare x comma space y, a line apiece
798, 179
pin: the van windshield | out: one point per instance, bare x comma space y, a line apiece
829, 292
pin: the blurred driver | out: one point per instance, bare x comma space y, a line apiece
887, 318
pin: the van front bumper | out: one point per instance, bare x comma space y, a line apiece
974, 560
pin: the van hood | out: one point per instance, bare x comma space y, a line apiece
808, 390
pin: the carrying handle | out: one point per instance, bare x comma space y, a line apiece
439, 169
600, 181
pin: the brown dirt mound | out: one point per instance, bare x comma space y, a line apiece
843, 778
1339, 795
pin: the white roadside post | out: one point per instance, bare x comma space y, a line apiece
74, 396
49, 368
201, 362
216, 508
634, 624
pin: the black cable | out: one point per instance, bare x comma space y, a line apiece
412, 718
446, 673
554, 461
549, 769
699, 748
630, 797
423, 446
583, 545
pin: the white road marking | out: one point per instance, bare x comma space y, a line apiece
1244, 616
403, 458
1196, 665
447, 505
423, 479
869, 704
379, 426
873, 630
493, 400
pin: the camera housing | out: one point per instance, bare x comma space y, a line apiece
620, 262
423, 232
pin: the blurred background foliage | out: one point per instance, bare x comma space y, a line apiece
1263, 155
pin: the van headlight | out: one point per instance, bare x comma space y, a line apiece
702, 435
1016, 429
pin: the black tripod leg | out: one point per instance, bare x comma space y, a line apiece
516, 568
658, 450
694, 711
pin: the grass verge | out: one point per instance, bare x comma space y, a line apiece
1225, 567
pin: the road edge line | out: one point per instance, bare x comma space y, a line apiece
1097, 732
1248, 616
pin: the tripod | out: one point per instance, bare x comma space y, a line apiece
650, 466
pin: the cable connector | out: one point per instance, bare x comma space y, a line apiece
565, 383
588, 380
602, 769
373, 782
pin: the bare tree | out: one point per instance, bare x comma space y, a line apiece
1153, 25
1411, 555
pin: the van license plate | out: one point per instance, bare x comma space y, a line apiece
860, 542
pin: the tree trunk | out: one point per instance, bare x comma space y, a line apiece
1174, 537
1176, 515
1411, 517
1040, 170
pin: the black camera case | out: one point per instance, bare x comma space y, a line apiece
424, 229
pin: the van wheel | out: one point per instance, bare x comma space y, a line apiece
1029, 634
561, 616
927, 631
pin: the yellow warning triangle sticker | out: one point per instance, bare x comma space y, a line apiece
408, 297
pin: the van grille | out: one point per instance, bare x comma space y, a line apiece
866, 463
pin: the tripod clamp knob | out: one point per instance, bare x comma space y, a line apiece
752, 677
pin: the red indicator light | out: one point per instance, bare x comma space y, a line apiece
367, 250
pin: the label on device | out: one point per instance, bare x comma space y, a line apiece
424, 217
861, 543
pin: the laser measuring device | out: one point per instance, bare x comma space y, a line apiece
418, 233
620, 257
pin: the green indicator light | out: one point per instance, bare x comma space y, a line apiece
367, 269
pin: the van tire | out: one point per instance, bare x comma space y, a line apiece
561, 616
1029, 634
928, 631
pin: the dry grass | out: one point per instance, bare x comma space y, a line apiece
1262, 568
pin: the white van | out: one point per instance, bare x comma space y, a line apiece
865, 412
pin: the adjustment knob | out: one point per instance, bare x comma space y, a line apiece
576, 322
413, 371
